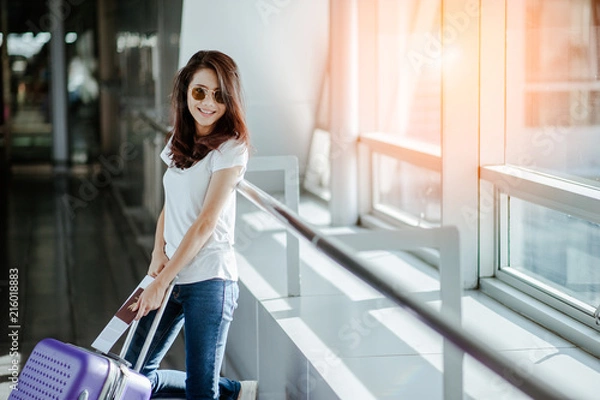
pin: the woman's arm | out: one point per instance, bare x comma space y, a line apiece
159, 258
222, 183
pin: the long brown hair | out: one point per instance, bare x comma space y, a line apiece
187, 147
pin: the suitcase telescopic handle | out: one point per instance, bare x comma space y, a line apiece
153, 328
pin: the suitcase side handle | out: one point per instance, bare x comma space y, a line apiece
151, 332
115, 357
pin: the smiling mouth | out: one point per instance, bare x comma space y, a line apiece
206, 112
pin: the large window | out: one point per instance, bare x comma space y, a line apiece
408, 69
539, 153
548, 188
405, 130
552, 129
553, 87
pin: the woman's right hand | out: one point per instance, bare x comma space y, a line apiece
159, 260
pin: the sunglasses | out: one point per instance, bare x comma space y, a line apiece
200, 93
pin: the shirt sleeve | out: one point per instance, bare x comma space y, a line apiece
230, 154
165, 154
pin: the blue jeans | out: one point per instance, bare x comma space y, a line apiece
207, 308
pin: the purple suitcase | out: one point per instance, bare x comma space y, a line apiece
62, 371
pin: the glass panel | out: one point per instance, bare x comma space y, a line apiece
31, 125
408, 68
553, 87
405, 188
556, 249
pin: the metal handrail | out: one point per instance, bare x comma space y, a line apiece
154, 124
448, 328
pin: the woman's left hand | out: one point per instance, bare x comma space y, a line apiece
150, 299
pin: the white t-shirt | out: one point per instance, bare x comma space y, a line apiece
185, 190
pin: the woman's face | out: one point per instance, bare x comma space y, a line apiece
206, 112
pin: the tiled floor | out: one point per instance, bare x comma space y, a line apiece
75, 257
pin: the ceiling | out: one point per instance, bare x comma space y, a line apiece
24, 15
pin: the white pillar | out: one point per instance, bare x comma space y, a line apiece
60, 138
6, 77
460, 128
107, 53
492, 111
158, 53
344, 111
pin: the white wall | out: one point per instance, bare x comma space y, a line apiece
281, 49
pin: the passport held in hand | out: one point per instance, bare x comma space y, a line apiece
121, 321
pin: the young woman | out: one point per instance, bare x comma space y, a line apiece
206, 157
